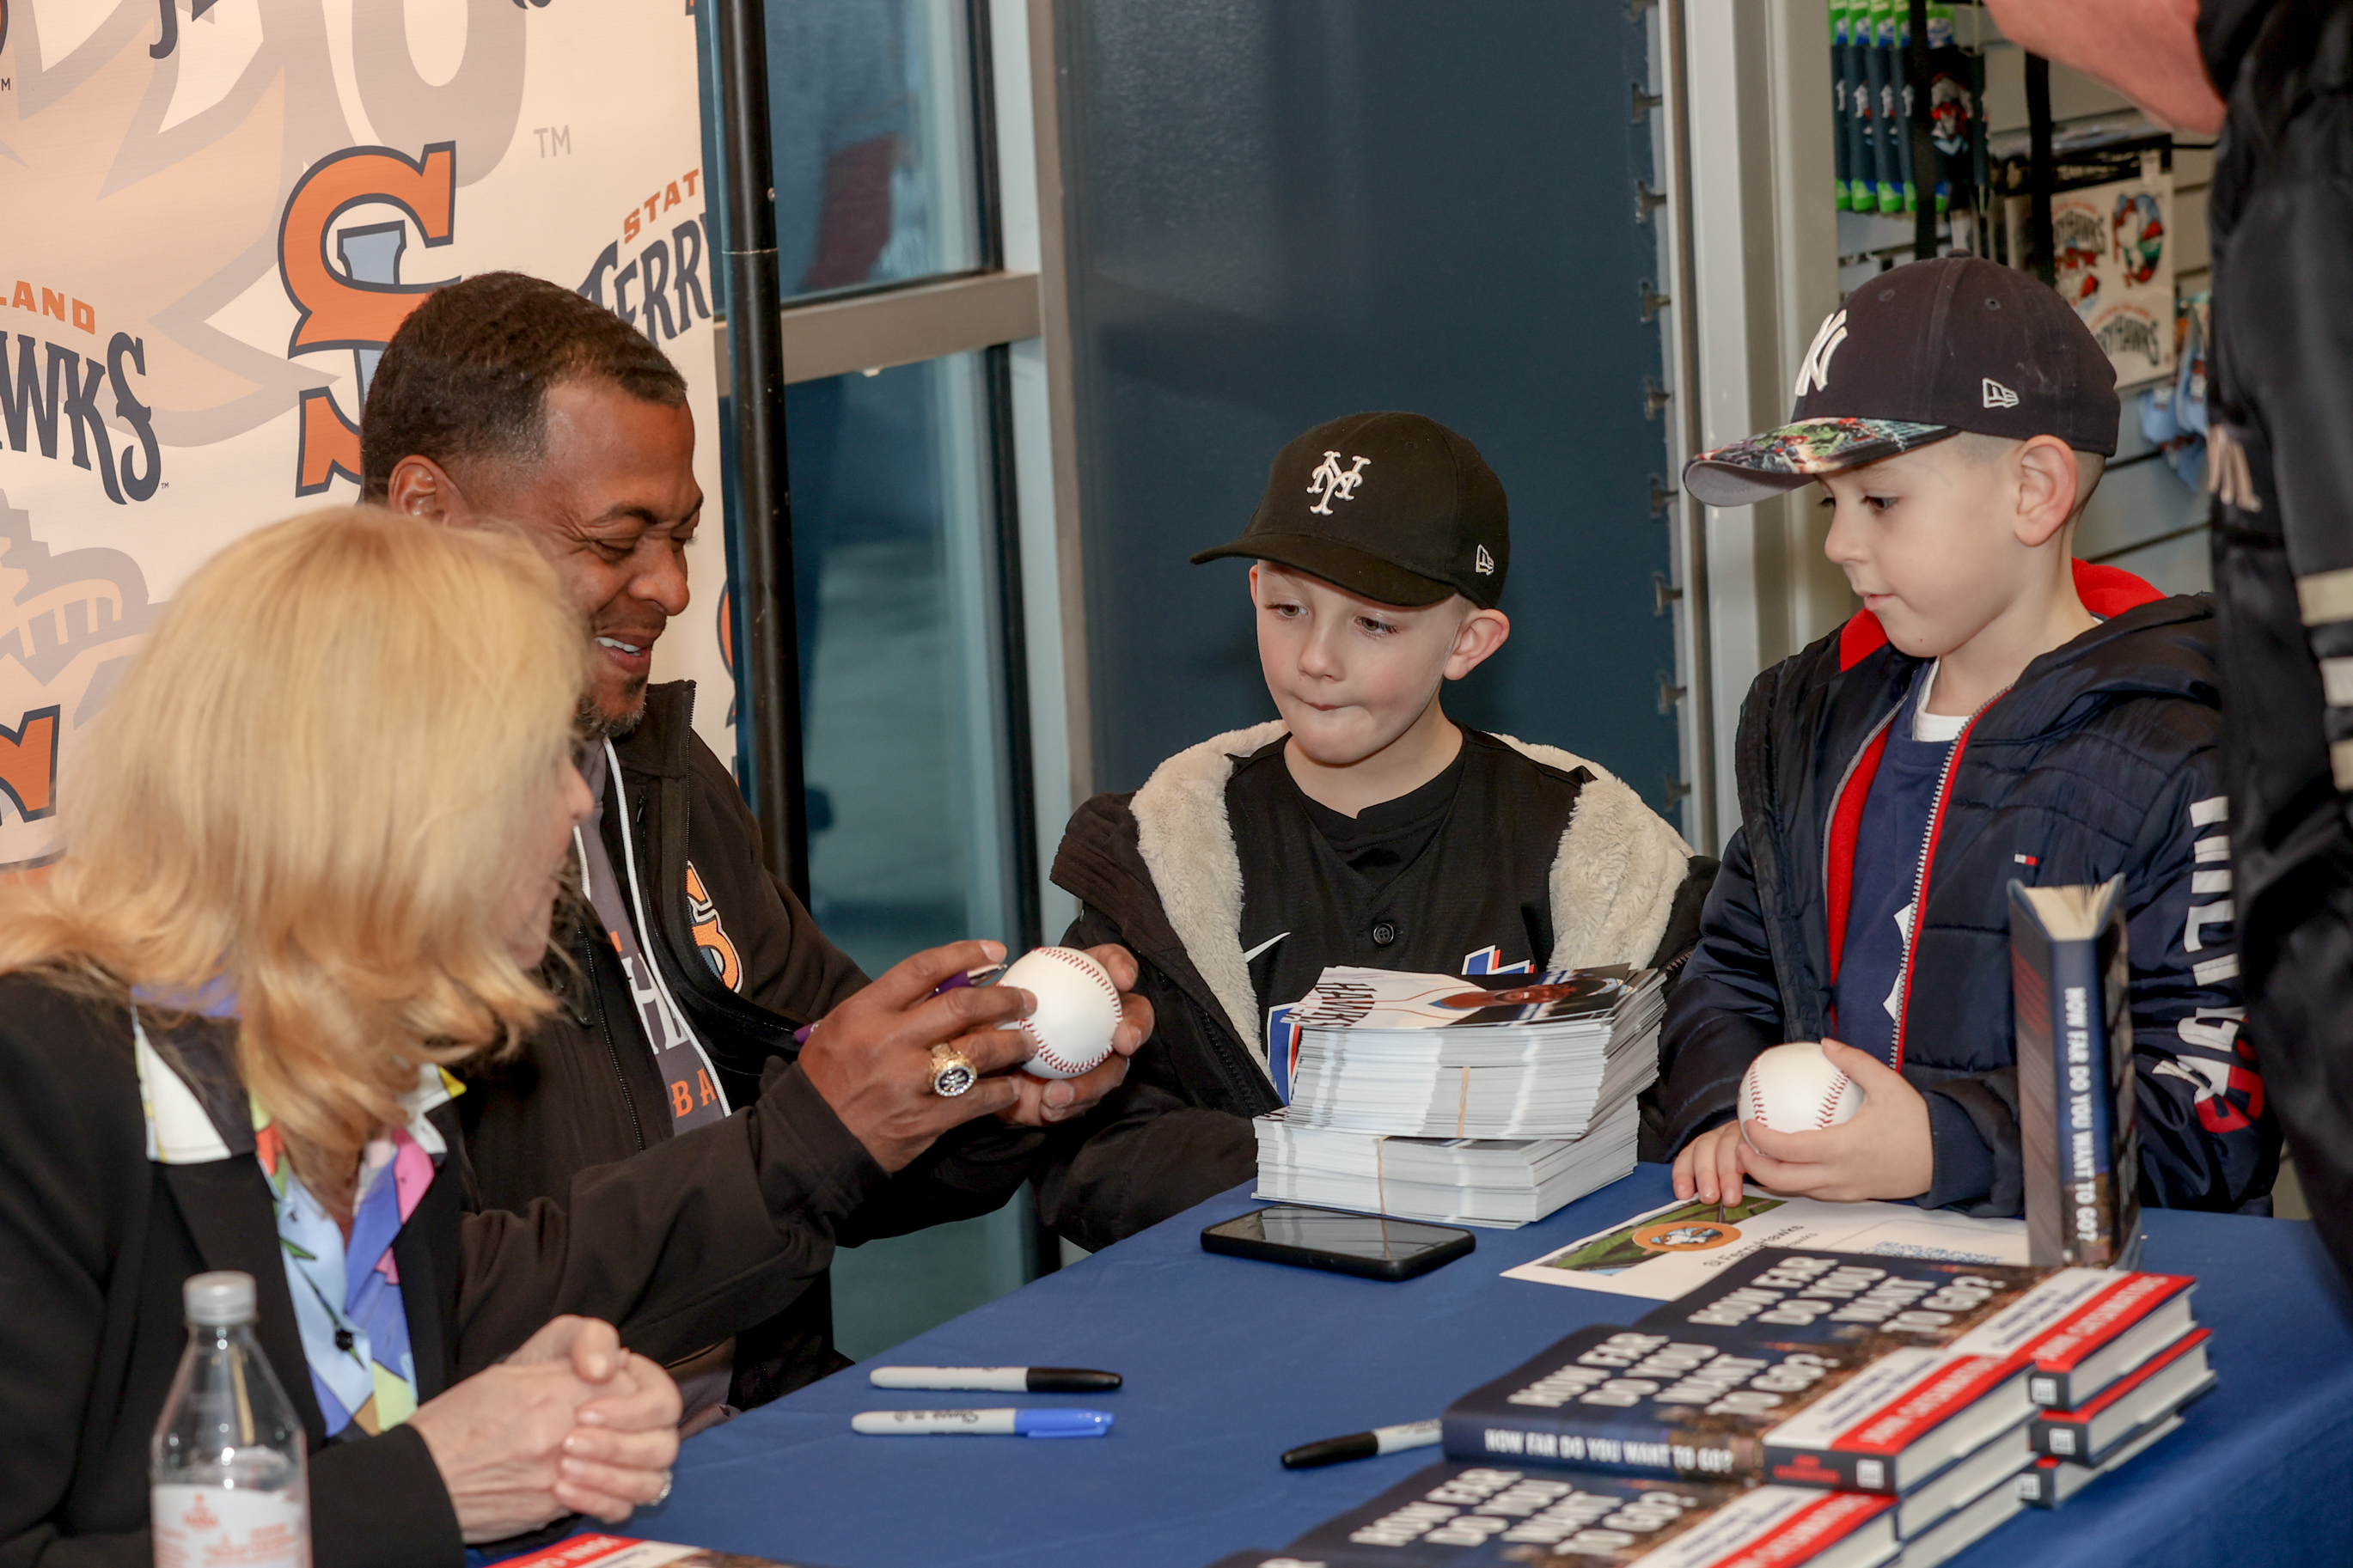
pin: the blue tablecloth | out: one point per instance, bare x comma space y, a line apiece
1229, 1361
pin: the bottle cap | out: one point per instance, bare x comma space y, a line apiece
221, 1300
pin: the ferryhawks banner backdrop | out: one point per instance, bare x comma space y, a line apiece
218, 211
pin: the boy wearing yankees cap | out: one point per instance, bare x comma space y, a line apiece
1361, 827
1996, 710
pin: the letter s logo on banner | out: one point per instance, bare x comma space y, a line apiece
361, 306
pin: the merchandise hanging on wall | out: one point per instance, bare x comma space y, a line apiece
1877, 81
2111, 243
220, 212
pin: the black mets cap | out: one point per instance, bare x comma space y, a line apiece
1918, 353
1394, 507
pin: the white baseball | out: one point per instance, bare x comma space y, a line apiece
1076, 1013
1794, 1088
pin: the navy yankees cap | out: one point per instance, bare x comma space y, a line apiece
1918, 353
1394, 507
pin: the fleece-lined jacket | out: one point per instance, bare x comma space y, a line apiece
1158, 871
2101, 760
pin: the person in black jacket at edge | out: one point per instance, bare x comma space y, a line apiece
2280, 461
686, 970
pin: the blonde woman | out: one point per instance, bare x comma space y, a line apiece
311, 852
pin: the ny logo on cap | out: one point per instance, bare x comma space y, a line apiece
1816, 370
1996, 395
1333, 482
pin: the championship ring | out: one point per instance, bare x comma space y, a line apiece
952, 1071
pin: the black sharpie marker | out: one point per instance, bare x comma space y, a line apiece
1363, 1444
997, 1379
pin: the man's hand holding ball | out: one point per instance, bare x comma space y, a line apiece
872, 1058
1844, 1151
1085, 1021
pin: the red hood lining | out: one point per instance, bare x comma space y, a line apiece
2106, 591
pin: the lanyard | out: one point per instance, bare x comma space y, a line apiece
688, 1084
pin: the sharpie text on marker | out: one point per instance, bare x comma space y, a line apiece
1006, 1423
997, 1379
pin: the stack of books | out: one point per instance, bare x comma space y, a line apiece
1434, 1096
1840, 1410
2111, 1382
1468, 1516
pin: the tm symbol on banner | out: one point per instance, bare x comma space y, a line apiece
554, 140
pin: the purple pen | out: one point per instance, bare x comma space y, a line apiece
953, 982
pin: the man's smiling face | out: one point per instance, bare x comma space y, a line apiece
612, 503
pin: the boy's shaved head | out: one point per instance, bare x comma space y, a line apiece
1987, 451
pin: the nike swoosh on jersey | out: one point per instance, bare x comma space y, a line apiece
1261, 947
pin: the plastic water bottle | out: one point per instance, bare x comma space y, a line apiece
228, 1468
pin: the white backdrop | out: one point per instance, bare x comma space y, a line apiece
212, 224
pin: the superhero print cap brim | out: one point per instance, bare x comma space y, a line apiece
1780, 460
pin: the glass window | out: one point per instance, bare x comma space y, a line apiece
902, 657
908, 757
871, 118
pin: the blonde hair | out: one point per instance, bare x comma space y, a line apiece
311, 783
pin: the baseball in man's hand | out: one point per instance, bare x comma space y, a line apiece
1071, 1029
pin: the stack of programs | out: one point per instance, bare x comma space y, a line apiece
1501, 1182
1432, 1097
1434, 1055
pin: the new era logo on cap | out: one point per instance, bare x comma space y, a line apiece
1486, 564
1996, 395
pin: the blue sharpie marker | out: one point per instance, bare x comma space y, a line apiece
1007, 1423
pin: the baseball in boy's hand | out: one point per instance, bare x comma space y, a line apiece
1078, 1012
1885, 1150
1795, 1088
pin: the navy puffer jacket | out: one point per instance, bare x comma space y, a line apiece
2102, 759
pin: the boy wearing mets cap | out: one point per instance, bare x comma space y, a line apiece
1996, 710
1363, 826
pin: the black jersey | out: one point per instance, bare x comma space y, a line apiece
1522, 857
1452, 878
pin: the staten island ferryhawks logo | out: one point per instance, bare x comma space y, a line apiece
1332, 482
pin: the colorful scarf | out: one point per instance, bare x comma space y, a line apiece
347, 1300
